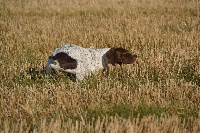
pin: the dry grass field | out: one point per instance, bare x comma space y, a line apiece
158, 93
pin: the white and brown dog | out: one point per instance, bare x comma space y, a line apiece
84, 61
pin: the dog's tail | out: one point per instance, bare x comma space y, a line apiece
52, 57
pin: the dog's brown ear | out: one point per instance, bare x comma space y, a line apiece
110, 55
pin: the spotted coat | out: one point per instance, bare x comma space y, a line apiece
89, 60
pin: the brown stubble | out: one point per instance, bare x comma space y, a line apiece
164, 35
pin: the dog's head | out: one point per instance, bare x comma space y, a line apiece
120, 56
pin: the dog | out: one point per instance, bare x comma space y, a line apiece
82, 61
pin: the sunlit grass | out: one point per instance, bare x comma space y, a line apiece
158, 93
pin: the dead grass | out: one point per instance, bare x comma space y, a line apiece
159, 93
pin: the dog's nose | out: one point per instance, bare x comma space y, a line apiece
135, 56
